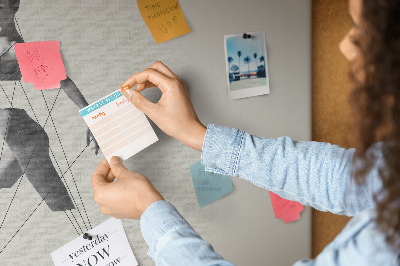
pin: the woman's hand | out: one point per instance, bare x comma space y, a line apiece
128, 196
174, 112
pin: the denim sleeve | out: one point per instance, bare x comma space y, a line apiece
312, 173
172, 241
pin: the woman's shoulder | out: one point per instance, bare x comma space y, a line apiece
363, 236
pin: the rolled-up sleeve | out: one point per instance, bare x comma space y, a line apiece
313, 173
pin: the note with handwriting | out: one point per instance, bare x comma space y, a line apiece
41, 64
164, 18
287, 210
118, 126
109, 246
209, 186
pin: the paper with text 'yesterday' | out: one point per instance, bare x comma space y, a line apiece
41, 64
287, 210
108, 247
118, 126
164, 18
209, 186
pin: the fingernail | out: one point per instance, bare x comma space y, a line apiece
127, 93
125, 88
115, 160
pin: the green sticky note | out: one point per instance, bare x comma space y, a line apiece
209, 186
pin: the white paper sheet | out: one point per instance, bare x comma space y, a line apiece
108, 247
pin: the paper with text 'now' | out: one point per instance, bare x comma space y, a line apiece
287, 210
108, 247
41, 64
209, 186
164, 18
118, 126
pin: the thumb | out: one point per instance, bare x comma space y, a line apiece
117, 167
138, 100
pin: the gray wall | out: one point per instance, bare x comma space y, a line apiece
102, 43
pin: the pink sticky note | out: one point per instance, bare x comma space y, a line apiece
284, 209
41, 64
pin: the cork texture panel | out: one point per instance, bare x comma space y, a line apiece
330, 100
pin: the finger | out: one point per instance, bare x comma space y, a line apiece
140, 102
142, 86
110, 177
160, 80
118, 169
160, 67
100, 174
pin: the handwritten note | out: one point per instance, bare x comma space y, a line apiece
209, 186
109, 246
41, 64
288, 211
164, 18
118, 126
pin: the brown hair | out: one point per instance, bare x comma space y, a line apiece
375, 102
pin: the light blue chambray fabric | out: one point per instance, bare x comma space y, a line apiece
312, 173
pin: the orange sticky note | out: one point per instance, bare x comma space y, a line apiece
284, 209
41, 64
164, 18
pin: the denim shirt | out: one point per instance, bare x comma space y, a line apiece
312, 173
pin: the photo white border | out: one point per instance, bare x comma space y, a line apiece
249, 92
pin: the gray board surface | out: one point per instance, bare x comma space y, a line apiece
103, 42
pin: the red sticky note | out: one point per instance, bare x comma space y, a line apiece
284, 209
41, 64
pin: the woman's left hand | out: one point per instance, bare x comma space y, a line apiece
126, 197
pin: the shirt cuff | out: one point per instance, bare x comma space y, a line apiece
222, 148
158, 219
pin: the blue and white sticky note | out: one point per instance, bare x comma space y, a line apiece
209, 186
109, 246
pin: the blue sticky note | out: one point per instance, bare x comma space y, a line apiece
209, 186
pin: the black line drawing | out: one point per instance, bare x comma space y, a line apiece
25, 149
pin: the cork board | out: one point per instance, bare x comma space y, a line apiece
331, 88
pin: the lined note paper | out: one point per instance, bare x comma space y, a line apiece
118, 126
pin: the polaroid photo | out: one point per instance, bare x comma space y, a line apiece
246, 65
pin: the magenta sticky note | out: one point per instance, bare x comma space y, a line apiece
284, 209
41, 64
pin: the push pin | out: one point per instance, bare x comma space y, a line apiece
246, 36
87, 236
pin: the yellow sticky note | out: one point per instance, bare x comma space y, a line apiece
164, 18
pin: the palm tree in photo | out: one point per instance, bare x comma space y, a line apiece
230, 60
239, 53
255, 60
247, 61
234, 68
262, 59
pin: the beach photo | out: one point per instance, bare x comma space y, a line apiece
246, 65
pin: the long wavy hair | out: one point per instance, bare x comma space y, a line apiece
375, 103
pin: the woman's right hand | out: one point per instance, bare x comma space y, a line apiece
174, 112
